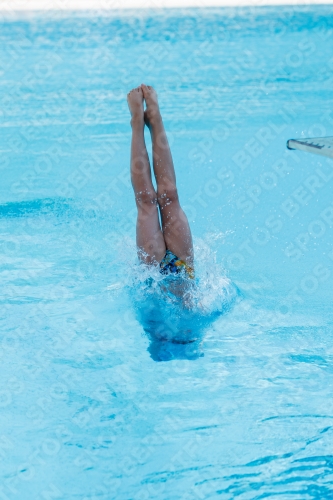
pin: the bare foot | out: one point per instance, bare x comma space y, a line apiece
135, 104
152, 108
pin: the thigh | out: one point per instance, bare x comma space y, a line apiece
176, 231
149, 237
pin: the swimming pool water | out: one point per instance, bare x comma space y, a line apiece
93, 407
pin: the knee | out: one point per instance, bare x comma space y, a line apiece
167, 196
146, 199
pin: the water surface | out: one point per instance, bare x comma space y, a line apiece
91, 405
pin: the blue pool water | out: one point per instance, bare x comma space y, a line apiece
95, 403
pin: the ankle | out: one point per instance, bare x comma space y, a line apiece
137, 120
154, 116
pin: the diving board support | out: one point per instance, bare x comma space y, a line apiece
318, 145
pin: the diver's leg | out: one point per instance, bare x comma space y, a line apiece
176, 229
149, 237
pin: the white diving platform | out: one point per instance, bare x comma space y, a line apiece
318, 145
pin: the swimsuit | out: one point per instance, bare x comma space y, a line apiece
171, 264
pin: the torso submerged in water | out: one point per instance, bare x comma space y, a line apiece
167, 303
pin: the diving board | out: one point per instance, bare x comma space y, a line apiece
317, 145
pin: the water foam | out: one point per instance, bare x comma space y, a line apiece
172, 308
